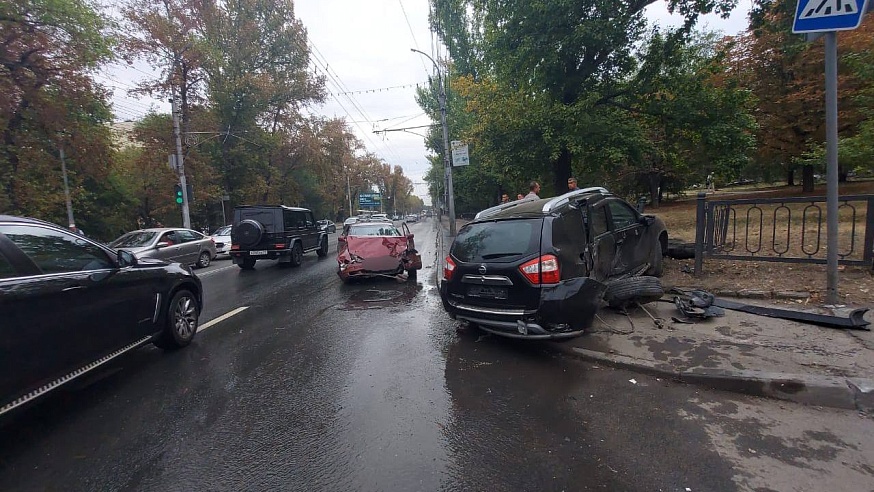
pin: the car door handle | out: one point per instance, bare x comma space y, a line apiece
72, 288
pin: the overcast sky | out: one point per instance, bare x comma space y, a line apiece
364, 47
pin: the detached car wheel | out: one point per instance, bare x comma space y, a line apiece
627, 291
204, 260
296, 255
181, 321
323, 248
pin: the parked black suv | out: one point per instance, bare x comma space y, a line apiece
275, 231
538, 268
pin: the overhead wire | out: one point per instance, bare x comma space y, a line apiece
412, 35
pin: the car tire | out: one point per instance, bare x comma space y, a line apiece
249, 233
412, 275
204, 260
247, 264
627, 291
296, 255
180, 323
323, 247
657, 262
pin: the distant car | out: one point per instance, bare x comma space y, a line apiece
71, 304
378, 217
370, 249
537, 269
222, 239
350, 220
171, 244
327, 226
412, 218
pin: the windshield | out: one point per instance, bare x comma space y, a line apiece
500, 241
222, 231
373, 230
134, 239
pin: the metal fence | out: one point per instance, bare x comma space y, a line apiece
791, 230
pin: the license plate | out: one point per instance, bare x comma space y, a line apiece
487, 291
258, 253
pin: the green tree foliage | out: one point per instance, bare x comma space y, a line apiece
47, 52
558, 88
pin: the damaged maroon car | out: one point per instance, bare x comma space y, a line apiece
373, 249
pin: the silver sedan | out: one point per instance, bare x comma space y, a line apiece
178, 245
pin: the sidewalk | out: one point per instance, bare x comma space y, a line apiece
739, 352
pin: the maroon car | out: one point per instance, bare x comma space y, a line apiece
371, 249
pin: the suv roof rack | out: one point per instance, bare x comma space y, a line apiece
497, 208
564, 199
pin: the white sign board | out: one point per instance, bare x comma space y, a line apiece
459, 153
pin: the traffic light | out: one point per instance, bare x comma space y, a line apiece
179, 199
178, 193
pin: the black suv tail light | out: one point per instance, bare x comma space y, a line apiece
541, 270
448, 268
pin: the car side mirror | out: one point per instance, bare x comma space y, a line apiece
125, 258
647, 220
162, 244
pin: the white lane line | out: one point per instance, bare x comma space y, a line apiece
206, 274
221, 318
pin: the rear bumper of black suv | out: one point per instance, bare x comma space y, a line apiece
565, 311
269, 254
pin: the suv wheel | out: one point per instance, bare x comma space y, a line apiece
626, 291
180, 325
248, 263
249, 233
204, 260
296, 255
323, 248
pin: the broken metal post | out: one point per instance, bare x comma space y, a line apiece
868, 251
700, 224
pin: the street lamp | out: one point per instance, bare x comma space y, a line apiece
447, 167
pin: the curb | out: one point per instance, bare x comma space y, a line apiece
786, 295
827, 391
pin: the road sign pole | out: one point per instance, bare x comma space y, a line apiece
831, 153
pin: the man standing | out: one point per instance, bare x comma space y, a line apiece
572, 184
533, 190
505, 198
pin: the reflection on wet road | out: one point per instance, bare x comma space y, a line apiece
320, 385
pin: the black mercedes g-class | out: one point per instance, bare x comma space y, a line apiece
275, 231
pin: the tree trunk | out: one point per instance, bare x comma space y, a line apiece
807, 179
790, 177
561, 171
842, 174
654, 179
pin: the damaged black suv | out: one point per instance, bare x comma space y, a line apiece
538, 269
275, 232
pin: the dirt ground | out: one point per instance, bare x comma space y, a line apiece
856, 284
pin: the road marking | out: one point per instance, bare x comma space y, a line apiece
206, 274
221, 318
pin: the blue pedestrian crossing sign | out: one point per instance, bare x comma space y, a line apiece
828, 15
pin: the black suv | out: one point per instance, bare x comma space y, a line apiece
539, 268
275, 231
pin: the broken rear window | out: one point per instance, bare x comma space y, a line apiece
501, 241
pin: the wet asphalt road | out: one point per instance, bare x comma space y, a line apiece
318, 385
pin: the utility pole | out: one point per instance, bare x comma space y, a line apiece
67, 189
180, 167
349, 194
447, 166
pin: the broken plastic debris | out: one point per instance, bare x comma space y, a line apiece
632, 381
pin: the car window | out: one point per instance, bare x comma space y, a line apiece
222, 231
188, 236
623, 215
55, 251
309, 220
500, 241
373, 230
169, 237
6, 270
598, 221
299, 219
133, 239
